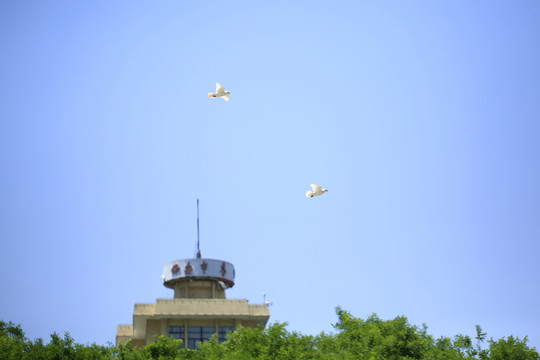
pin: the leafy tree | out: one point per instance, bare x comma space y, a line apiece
369, 339
12, 341
378, 339
274, 342
128, 352
511, 349
165, 348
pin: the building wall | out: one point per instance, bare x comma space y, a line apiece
154, 319
192, 289
199, 301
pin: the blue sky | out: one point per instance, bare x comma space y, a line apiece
421, 118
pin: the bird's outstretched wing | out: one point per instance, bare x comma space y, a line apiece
316, 187
226, 97
309, 194
219, 88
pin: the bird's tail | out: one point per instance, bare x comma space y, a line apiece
211, 95
309, 194
226, 97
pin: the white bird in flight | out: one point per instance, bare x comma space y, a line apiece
220, 92
317, 191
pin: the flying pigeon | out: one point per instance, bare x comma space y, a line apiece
220, 92
317, 191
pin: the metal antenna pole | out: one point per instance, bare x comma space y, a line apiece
198, 239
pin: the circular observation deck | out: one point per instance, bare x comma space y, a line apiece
198, 269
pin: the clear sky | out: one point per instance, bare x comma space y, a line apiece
422, 118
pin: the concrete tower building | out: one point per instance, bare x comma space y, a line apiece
199, 308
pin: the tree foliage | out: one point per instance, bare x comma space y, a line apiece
369, 339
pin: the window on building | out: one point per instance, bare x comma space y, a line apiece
177, 332
222, 333
197, 334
